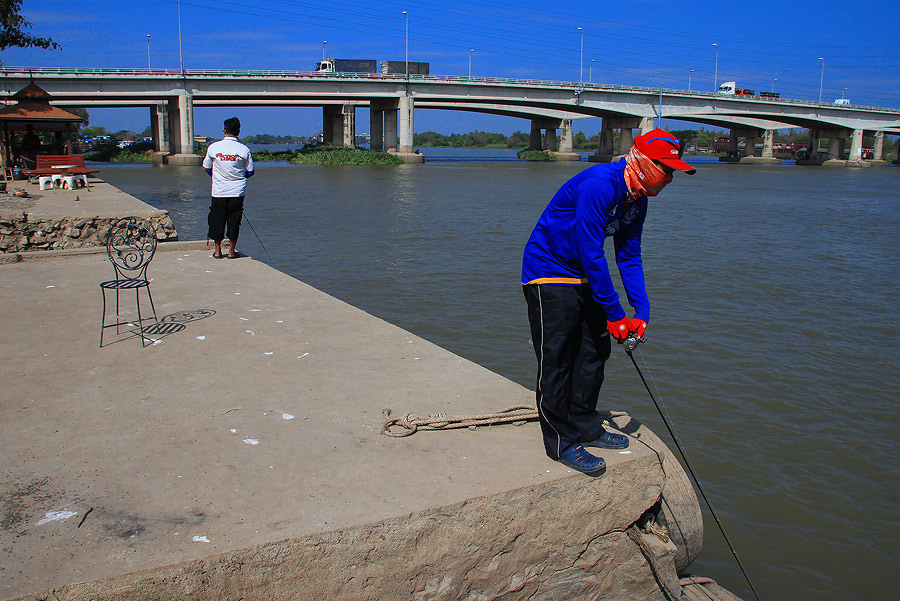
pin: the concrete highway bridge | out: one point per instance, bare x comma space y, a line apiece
550, 106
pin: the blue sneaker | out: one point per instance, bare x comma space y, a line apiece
576, 458
609, 440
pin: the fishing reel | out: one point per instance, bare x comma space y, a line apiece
631, 343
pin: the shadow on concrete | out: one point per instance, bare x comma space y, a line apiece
172, 323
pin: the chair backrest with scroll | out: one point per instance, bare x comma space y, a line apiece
130, 247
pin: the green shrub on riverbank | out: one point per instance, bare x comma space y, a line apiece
136, 153
279, 155
535, 155
341, 155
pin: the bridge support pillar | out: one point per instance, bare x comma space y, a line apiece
566, 143
750, 146
750, 155
406, 124
376, 128
836, 148
813, 141
535, 141
856, 143
566, 150
811, 156
836, 141
184, 143
604, 152
406, 130
878, 146
646, 126
768, 137
348, 125
606, 139
391, 139
626, 140
768, 154
159, 131
550, 139
333, 124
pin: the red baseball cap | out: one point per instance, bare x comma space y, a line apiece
663, 147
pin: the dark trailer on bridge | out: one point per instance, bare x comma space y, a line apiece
399, 67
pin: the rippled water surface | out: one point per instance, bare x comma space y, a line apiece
774, 337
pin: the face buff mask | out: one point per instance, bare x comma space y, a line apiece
643, 176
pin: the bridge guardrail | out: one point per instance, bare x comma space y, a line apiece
7, 71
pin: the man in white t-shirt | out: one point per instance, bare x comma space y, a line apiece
230, 164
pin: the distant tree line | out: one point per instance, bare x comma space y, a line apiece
473, 139
273, 139
483, 139
98, 131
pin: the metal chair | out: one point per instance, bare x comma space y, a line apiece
130, 247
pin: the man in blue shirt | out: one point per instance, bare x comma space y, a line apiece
573, 307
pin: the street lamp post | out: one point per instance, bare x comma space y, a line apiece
406, 15
689, 79
591, 72
581, 59
180, 51
148, 51
822, 78
323, 49
470, 62
716, 75
773, 84
842, 93
659, 117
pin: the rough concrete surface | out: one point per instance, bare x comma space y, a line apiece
256, 428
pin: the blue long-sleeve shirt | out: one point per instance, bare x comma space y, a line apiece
566, 246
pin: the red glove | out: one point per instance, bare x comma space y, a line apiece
619, 329
639, 328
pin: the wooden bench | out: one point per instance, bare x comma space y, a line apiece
45, 164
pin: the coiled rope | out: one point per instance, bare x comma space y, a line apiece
411, 424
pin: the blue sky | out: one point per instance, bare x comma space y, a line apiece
762, 45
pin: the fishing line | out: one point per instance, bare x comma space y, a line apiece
244, 213
630, 345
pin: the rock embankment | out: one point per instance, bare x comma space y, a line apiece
67, 219
23, 233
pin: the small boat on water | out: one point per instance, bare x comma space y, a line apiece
730, 157
804, 157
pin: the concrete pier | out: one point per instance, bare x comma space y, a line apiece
240, 455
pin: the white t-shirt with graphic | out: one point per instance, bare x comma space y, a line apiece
230, 162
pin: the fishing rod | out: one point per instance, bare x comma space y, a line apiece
630, 344
244, 213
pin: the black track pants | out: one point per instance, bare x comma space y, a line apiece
225, 211
568, 329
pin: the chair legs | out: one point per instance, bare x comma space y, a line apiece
118, 322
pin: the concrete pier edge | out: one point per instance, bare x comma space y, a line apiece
109, 432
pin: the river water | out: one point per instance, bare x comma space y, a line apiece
774, 339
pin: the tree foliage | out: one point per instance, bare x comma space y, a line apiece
12, 25
273, 139
94, 131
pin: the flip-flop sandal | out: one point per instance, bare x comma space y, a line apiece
215, 256
609, 440
578, 459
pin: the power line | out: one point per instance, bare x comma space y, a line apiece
509, 36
